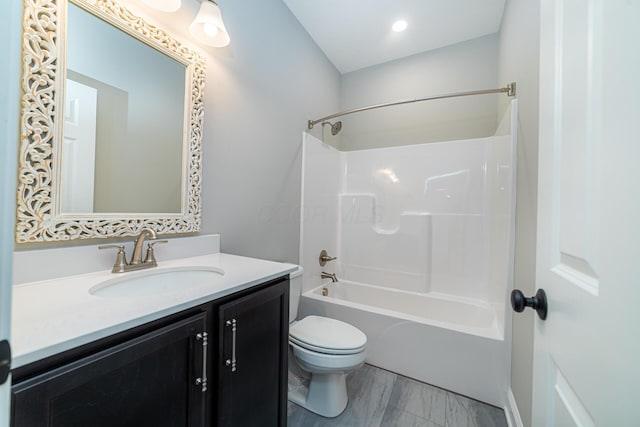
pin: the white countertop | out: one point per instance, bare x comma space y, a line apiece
53, 316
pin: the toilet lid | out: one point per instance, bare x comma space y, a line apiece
323, 333
331, 351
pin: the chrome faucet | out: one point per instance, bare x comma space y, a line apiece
121, 265
333, 277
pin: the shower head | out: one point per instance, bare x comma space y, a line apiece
335, 127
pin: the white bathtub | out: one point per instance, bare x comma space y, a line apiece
454, 343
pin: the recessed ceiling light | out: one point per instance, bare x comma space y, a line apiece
399, 25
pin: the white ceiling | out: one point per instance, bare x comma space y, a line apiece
357, 33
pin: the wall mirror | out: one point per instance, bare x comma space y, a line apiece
111, 128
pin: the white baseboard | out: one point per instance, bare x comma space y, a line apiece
511, 411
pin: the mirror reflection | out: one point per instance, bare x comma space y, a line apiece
124, 121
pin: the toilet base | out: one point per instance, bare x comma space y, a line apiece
325, 396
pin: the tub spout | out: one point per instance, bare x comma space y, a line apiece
333, 277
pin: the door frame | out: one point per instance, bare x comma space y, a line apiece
10, 42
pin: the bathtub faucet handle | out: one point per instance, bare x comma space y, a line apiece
324, 258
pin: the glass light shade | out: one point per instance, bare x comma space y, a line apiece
163, 5
208, 26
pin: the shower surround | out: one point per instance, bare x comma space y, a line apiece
423, 238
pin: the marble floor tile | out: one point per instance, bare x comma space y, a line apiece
367, 376
296, 416
369, 390
465, 412
396, 417
379, 398
420, 399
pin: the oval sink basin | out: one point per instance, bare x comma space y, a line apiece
157, 281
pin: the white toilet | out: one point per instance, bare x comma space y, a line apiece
326, 349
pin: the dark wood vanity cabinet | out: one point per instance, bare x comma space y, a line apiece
147, 381
251, 378
162, 374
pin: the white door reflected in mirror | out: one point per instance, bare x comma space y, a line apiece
79, 150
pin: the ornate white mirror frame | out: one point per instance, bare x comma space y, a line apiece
39, 217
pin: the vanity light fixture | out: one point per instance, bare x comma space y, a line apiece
399, 26
208, 26
163, 5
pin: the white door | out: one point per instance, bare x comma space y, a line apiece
79, 148
10, 30
587, 351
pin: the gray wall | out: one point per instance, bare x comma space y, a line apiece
260, 94
518, 61
465, 66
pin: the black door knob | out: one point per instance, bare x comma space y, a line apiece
5, 361
538, 302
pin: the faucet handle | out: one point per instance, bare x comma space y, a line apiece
324, 258
111, 247
150, 258
121, 258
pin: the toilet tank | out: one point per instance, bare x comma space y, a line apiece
295, 289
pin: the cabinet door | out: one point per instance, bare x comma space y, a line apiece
147, 381
252, 358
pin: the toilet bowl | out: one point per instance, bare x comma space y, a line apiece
326, 349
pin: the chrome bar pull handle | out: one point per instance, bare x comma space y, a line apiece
232, 362
203, 380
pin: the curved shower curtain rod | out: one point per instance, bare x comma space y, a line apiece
510, 90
